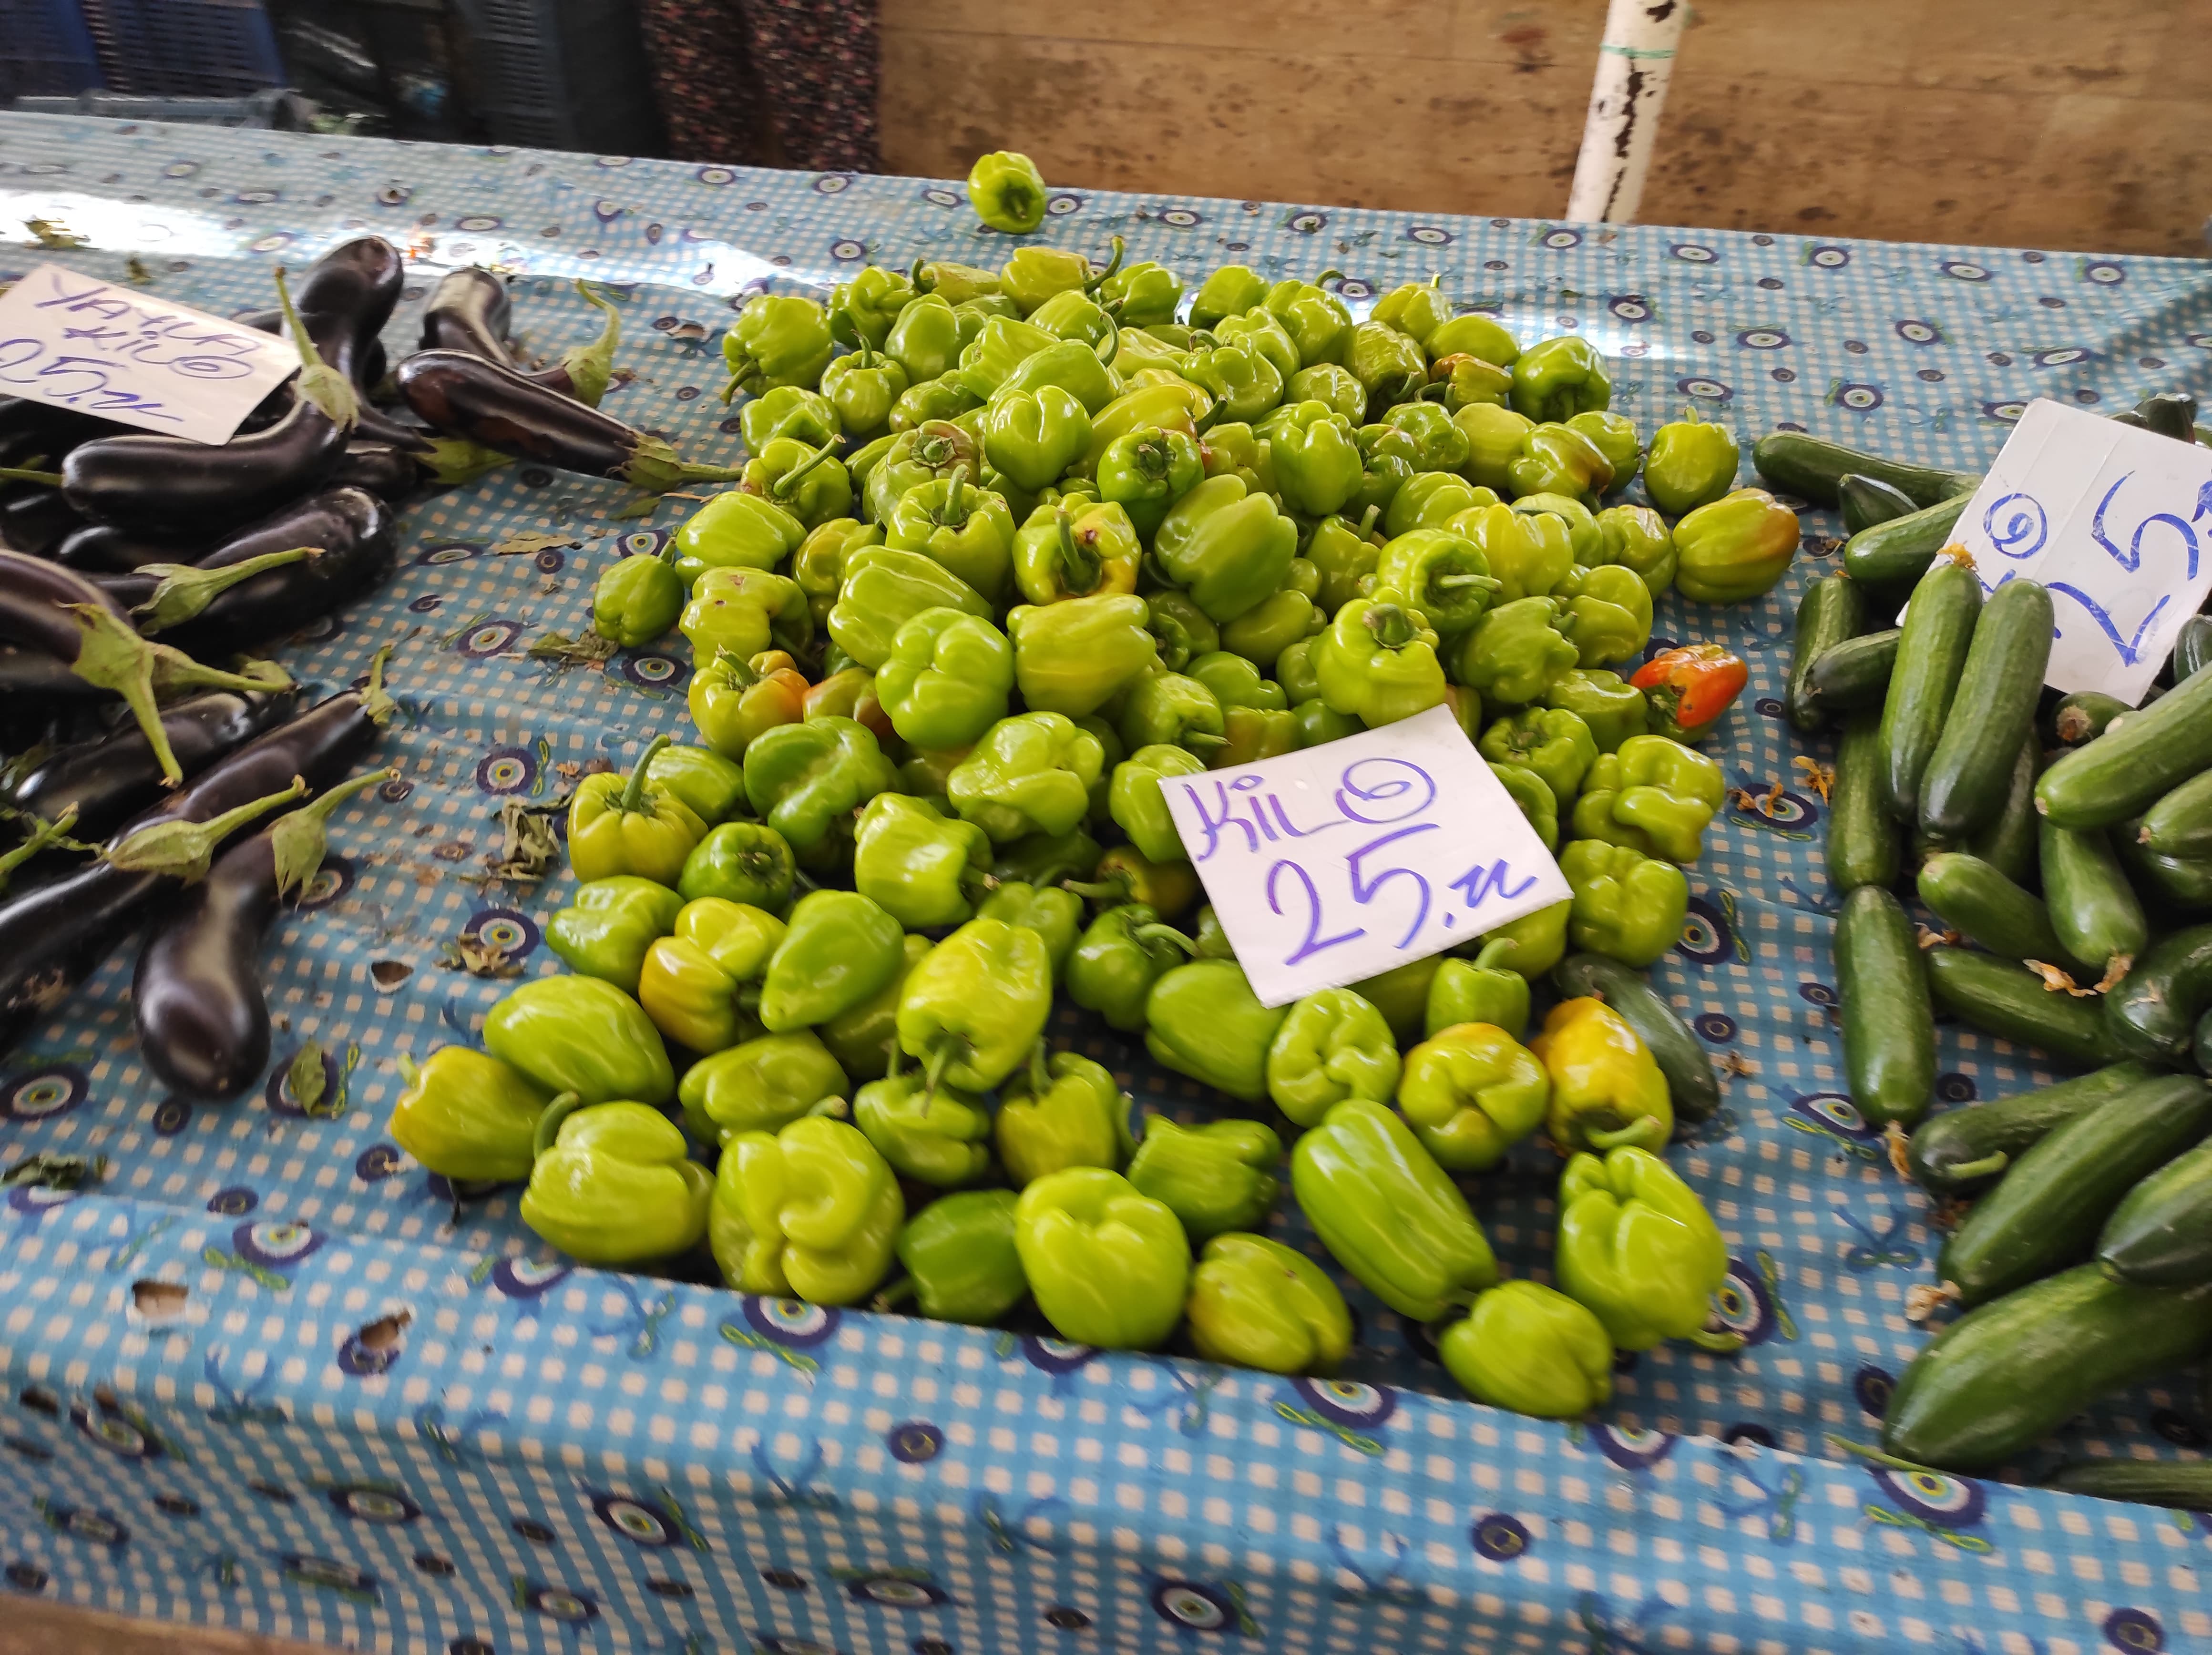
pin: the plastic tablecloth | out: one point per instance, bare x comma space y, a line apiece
364, 1425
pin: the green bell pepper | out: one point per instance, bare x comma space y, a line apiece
800, 777
740, 862
760, 1085
614, 1184
699, 985
1534, 800
1331, 385
1377, 661
1072, 366
1054, 914
1106, 1265
1213, 1178
470, 1118
1462, 381
1494, 436
1171, 709
1058, 1114
1076, 547
1386, 466
1480, 990
1259, 331
1443, 445
862, 310
930, 452
1001, 346
1626, 906
1343, 554
1332, 1045
1232, 290
1559, 378
1074, 315
1243, 382
1034, 274
1236, 681
924, 339
1029, 774
811, 1212
582, 1035
933, 401
1735, 548
1176, 407
1615, 437
1609, 613
1316, 723
608, 925
977, 1002
1139, 807
1606, 1088
745, 611
777, 340
637, 599
1033, 436
1317, 463
1202, 1020
956, 284
1007, 191
863, 1039
714, 787
1416, 309
1073, 658
1654, 794
919, 866
1251, 733
968, 531
1236, 449
863, 387
935, 1134
1141, 295
1471, 1092
842, 949
809, 482
1637, 537
1401, 995
960, 1259
1516, 651
1693, 463
1557, 459
1316, 320
1553, 743
630, 826
796, 411
1430, 499
1263, 632
735, 530
1472, 333
1528, 1349
1148, 470
1442, 574
884, 589
1123, 875
1539, 939
1388, 1213
1637, 1247
1614, 708
1584, 542
1180, 631
1257, 1303
1126, 950
1389, 364
947, 680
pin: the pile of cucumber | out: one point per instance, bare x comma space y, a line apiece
2062, 848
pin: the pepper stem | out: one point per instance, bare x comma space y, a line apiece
1367, 521
1988, 1167
1110, 347
922, 284
1165, 935
1644, 1133
1389, 624
894, 1061
43, 833
1435, 391
299, 840
184, 850
1080, 567
1453, 582
591, 367
894, 1296
783, 486
1116, 887
549, 1123
631, 801
940, 1059
1112, 265
185, 589
735, 665
1202, 739
1497, 948
322, 384
21, 474
111, 655
953, 513
1040, 1073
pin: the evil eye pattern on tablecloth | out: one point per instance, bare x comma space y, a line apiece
366, 1423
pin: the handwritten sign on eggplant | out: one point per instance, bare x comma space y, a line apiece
74, 341
2117, 523
1341, 862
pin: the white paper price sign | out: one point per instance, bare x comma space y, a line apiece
77, 341
1341, 862
2116, 522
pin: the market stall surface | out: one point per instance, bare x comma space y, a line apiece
365, 1423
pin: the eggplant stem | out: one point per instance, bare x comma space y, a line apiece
185, 589
549, 1123
182, 850
43, 833
299, 840
377, 706
320, 383
590, 367
656, 468
23, 474
111, 655
454, 460
631, 800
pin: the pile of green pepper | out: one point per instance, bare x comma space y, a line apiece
1014, 547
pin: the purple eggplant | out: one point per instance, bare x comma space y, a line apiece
98, 549
385, 469
110, 779
54, 937
354, 533
46, 607
203, 1018
35, 520
467, 311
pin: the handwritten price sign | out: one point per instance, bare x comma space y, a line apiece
77, 341
2116, 522
1341, 862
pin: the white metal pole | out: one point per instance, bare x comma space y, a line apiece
1634, 64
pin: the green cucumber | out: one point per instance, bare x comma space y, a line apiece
1939, 630
2002, 1378
2192, 646
1889, 1028
1890, 556
1863, 840
2153, 1013
2161, 1235
1970, 896
1963, 785
2093, 910
2137, 760
1814, 469
2011, 1002
1965, 1146
1833, 610
1854, 673
1680, 1055
2175, 882
2080, 717
2047, 1212
1867, 500
2183, 1485
2007, 843
2180, 823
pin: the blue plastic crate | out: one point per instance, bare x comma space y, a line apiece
49, 52
186, 48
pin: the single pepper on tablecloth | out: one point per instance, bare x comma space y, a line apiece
811, 1211
701, 985
960, 1259
1058, 1112
1214, 1176
467, 1117
614, 1184
1106, 1265
1639, 1248
1626, 906
1606, 1088
1257, 1303
609, 924
1531, 1350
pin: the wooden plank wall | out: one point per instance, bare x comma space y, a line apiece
2006, 122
